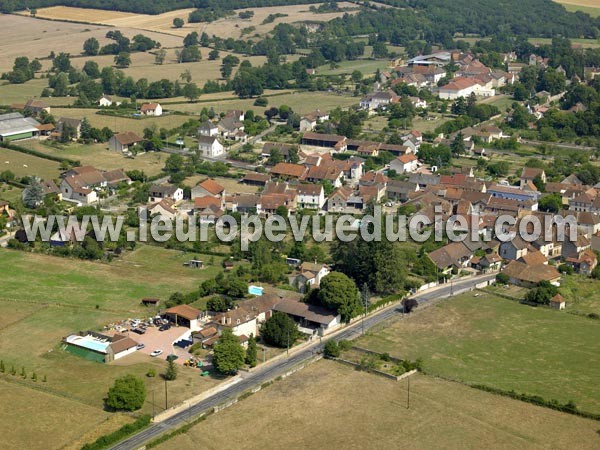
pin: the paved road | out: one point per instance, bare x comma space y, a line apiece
558, 144
270, 371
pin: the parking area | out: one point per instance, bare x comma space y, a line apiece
153, 339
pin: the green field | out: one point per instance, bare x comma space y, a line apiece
497, 342
146, 272
585, 43
22, 164
9, 193
328, 405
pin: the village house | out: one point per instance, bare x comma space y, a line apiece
530, 174
400, 190
256, 179
210, 146
74, 124
232, 127
105, 101
343, 200
558, 302
82, 184
36, 107
184, 316
285, 150
379, 100
208, 187
455, 255
151, 109
124, 142
311, 319
584, 263
310, 196
310, 275
164, 208
528, 276
464, 87
159, 191
405, 163
325, 172
246, 318
207, 128
309, 121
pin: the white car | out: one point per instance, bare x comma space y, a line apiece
156, 352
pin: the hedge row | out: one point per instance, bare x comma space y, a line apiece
182, 430
569, 407
116, 436
29, 151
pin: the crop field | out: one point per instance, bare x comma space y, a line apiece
345, 408
23, 165
497, 342
163, 23
366, 66
36, 38
98, 156
592, 7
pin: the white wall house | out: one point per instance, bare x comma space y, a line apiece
151, 109
405, 164
210, 146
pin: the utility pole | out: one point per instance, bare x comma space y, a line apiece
264, 355
153, 404
408, 393
288, 342
365, 296
166, 396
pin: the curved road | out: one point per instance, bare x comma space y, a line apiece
271, 371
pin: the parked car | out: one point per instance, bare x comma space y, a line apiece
164, 327
156, 352
172, 357
139, 330
140, 346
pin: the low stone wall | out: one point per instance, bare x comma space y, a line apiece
375, 371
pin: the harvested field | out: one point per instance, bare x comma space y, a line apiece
163, 23
39, 37
591, 7
343, 408
98, 156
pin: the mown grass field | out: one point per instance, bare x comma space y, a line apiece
497, 342
9, 193
328, 405
98, 156
22, 164
119, 285
366, 66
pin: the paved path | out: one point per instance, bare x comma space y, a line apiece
281, 366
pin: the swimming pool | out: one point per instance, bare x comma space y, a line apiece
88, 342
255, 290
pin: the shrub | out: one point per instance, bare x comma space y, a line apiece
151, 373
344, 345
261, 101
502, 278
331, 349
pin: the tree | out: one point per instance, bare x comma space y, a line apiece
502, 278
62, 62
171, 373
123, 59
409, 304
128, 394
228, 355
190, 54
91, 46
247, 84
219, 303
191, 91
279, 330
458, 144
33, 195
191, 39
550, 203
331, 349
213, 55
338, 292
275, 157
356, 76
160, 56
251, 351
178, 22
91, 69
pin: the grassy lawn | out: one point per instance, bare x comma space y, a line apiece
581, 294
22, 164
98, 156
146, 272
500, 101
9, 193
498, 342
328, 405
